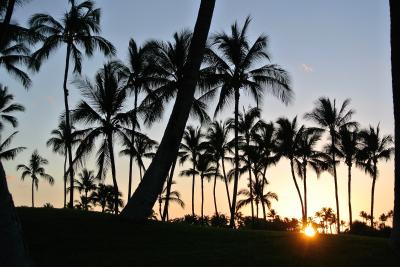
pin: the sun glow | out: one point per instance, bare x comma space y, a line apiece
309, 231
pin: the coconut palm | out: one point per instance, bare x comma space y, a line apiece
83, 203
102, 195
58, 143
141, 203
35, 169
110, 207
7, 107
374, 148
102, 109
192, 145
288, 137
174, 197
86, 182
205, 170
332, 118
9, 153
217, 144
348, 150
78, 29
395, 43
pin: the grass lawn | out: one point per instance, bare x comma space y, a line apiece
71, 238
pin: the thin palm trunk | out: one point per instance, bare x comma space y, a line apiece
141, 203
349, 195
336, 185
262, 193
214, 189
169, 185
65, 180
193, 181
68, 128
33, 193
305, 191
132, 142
140, 172
395, 58
202, 199
251, 193
236, 179
113, 172
159, 205
7, 20
226, 183
373, 195
297, 187
12, 246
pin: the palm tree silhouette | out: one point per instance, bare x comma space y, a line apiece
288, 137
58, 143
102, 195
173, 197
141, 203
35, 170
78, 28
236, 70
102, 109
374, 148
192, 144
86, 182
217, 145
348, 149
7, 107
9, 153
331, 117
206, 171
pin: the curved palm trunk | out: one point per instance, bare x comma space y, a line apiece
251, 193
214, 189
305, 192
262, 193
68, 129
226, 183
236, 179
349, 195
336, 185
297, 187
373, 196
65, 181
33, 194
202, 199
140, 205
132, 142
169, 185
193, 181
113, 172
395, 57
12, 245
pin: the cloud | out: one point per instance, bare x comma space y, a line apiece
306, 68
50, 99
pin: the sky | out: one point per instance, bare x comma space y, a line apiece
339, 49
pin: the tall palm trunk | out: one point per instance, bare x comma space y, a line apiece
349, 195
336, 185
12, 245
214, 189
202, 198
251, 192
169, 185
132, 142
33, 193
7, 20
262, 192
236, 179
297, 187
373, 195
193, 184
113, 172
226, 183
65, 180
68, 129
305, 191
159, 205
141, 203
395, 45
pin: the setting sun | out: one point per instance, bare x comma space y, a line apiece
309, 231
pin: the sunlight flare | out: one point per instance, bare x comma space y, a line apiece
309, 231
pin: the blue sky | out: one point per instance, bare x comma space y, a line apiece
338, 49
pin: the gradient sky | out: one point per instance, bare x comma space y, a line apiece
338, 49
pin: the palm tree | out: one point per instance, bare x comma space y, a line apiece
206, 171
103, 109
236, 70
192, 144
395, 43
288, 137
7, 107
348, 149
364, 215
58, 143
102, 195
174, 197
332, 118
86, 182
110, 207
35, 170
9, 153
141, 203
78, 28
374, 148
217, 144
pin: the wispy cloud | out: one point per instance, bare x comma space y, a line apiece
50, 99
306, 68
